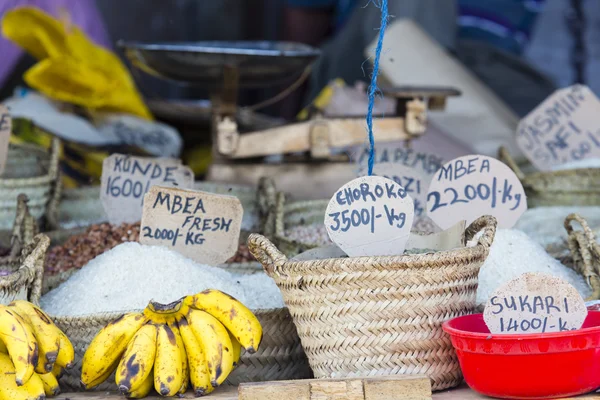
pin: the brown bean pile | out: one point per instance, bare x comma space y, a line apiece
78, 250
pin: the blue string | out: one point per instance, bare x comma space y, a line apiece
383, 5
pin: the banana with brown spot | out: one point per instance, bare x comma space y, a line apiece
215, 342
138, 360
236, 317
32, 390
145, 388
198, 367
45, 333
20, 343
104, 352
168, 373
51, 386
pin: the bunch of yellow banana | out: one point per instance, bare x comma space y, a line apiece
196, 340
33, 352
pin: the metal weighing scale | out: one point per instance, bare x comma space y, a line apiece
308, 152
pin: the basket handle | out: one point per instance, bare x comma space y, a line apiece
51, 219
504, 156
266, 253
488, 224
279, 215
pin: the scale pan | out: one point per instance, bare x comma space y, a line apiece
259, 63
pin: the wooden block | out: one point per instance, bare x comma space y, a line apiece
400, 387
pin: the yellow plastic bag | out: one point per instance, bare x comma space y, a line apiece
71, 67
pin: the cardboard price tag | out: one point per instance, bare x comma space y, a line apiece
370, 216
535, 303
413, 181
397, 153
125, 180
471, 186
202, 226
5, 131
563, 128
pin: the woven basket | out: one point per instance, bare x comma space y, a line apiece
25, 258
574, 187
366, 316
280, 356
34, 172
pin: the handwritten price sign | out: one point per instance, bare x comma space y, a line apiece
535, 303
370, 216
471, 186
125, 180
563, 128
202, 226
413, 181
5, 131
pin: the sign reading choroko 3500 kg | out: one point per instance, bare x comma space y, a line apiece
202, 226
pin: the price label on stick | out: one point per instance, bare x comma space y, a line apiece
5, 131
471, 186
370, 216
413, 181
535, 303
202, 226
563, 128
125, 180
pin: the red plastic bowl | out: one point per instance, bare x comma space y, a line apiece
534, 366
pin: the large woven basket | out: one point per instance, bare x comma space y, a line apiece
34, 172
366, 316
280, 356
573, 187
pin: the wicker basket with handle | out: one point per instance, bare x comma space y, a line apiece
572, 187
365, 316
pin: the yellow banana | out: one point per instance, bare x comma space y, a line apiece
138, 359
184, 365
51, 386
66, 352
20, 342
215, 342
230, 312
57, 371
3, 348
45, 333
236, 348
198, 367
144, 388
32, 390
165, 313
103, 354
168, 373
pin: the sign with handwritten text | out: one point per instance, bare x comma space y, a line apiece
564, 128
399, 154
471, 186
202, 226
5, 131
370, 216
125, 180
412, 180
535, 303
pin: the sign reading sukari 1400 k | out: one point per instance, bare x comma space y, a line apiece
472, 186
370, 216
565, 127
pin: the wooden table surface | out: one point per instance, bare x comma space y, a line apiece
226, 393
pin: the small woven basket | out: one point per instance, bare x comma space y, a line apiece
574, 187
365, 316
25, 259
32, 171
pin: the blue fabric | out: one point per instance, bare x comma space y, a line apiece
506, 24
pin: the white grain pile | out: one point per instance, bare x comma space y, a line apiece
130, 275
585, 163
513, 253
